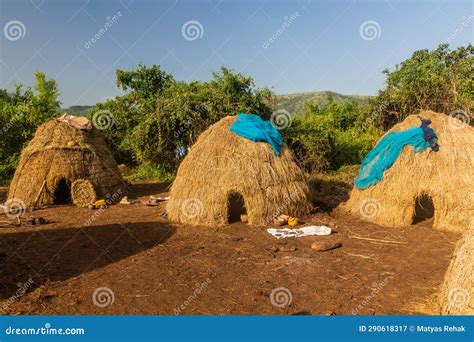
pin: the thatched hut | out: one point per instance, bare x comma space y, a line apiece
225, 176
457, 292
427, 184
65, 163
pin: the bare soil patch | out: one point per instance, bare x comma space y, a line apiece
155, 267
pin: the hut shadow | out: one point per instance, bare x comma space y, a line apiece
142, 190
327, 194
3, 193
59, 254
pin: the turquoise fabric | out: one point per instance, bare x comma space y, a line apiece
385, 153
251, 126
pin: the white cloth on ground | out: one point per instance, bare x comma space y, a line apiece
299, 232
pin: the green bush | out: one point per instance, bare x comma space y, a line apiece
159, 116
328, 137
440, 80
149, 171
21, 112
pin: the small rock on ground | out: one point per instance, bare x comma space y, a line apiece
322, 246
287, 248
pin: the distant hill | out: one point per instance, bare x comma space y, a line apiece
294, 103
78, 110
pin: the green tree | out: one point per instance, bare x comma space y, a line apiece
439, 80
158, 116
21, 112
329, 137
145, 82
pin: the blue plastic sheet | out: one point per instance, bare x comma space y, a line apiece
251, 126
386, 152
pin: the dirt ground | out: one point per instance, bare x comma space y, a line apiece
151, 266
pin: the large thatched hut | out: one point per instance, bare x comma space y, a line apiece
457, 292
67, 161
225, 176
426, 184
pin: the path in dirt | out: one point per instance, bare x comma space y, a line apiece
154, 267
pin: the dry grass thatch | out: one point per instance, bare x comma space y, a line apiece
221, 166
57, 156
446, 178
457, 292
83, 193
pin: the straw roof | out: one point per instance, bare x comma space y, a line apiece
222, 163
447, 177
58, 152
457, 292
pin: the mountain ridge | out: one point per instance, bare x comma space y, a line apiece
293, 103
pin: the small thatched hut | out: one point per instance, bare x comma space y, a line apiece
225, 176
65, 163
426, 184
457, 292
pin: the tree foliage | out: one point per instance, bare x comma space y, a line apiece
439, 80
145, 82
159, 116
328, 137
21, 112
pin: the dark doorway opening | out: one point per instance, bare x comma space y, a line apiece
236, 207
424, 209
62, 194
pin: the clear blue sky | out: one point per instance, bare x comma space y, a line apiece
320, 48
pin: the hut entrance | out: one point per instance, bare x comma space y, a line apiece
62, 193
236, 207
424, 209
